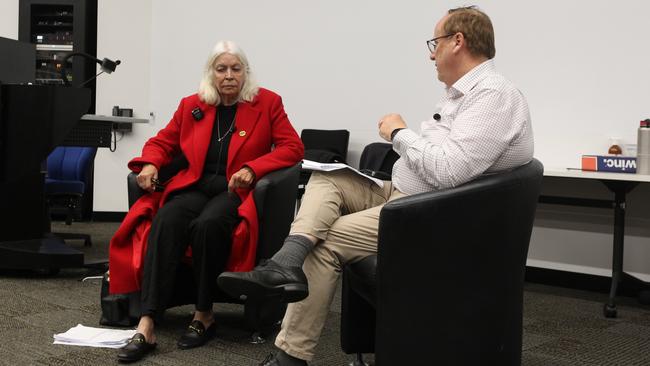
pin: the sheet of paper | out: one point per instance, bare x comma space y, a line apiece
94, 337
328, 167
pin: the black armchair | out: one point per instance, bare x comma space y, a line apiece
325, 146
377, 160
449, 276
274, 197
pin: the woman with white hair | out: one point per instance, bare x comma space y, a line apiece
231, 133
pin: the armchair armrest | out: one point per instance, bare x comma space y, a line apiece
275, 199
164, 174
133, 189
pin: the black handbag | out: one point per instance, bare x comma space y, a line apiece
118, 310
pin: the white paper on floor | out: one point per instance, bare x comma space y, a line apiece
94, 337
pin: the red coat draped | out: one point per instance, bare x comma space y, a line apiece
263, 140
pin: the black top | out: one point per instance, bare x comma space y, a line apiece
224, 127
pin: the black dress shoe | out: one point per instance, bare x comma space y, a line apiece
267, 281
270, 360
196, 335
135, 349
282, 359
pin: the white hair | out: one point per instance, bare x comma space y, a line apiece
208, 92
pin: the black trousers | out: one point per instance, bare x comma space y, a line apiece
203, 217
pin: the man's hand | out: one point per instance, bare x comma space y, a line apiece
388, 123
242, 179
148, 172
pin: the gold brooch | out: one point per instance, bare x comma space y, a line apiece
242, 133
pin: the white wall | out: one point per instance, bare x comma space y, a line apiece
343, 64
123, 33
9, 19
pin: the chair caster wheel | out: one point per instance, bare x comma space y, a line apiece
609, 311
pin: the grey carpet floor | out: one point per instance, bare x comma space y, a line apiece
561, 326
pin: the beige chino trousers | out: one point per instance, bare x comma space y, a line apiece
341, 209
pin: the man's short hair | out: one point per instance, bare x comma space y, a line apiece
475, 26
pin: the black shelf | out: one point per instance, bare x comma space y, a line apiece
55, 15
67, 26
58, 28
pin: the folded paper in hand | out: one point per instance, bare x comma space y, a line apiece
328, 167
94, 337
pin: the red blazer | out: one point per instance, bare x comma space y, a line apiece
264, 140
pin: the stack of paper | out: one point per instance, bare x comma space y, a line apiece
94, 337
328, 167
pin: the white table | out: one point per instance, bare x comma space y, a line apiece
113, 119
619, 184
582, 174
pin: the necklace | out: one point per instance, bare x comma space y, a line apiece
230, 129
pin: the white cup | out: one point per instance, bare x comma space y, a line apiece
629, 149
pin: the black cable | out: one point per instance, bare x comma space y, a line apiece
64, 63
106, 66
89, 80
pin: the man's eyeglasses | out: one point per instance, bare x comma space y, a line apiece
433, 42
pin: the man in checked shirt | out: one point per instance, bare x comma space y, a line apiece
483, 126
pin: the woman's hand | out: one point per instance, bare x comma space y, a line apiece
242, 179
144, 179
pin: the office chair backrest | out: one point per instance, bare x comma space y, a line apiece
334, 142
378, 157
70, 162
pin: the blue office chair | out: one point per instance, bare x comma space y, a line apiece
65, 184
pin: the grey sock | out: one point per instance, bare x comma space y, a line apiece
294, 251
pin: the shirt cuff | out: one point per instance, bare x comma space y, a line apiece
403, 140
395, 131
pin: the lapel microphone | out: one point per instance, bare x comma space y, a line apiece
197, 113
437, 117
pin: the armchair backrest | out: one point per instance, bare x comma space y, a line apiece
451, 270
70, 162
378, 157
332, 143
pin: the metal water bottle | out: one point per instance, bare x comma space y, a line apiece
643, 148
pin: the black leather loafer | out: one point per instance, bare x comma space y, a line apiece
136, 349
282, 359
196, 335
267, 281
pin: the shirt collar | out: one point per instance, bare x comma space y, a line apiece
468, 81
